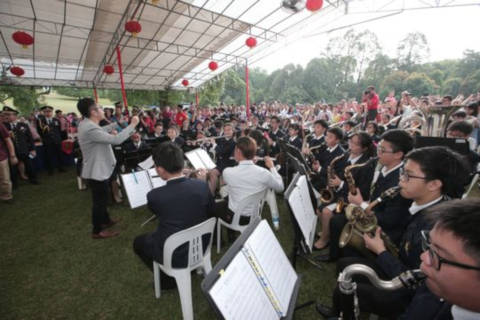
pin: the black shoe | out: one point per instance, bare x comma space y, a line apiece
324, 310
321, 248
323, 258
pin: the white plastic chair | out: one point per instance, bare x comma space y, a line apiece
250, 206
197, 258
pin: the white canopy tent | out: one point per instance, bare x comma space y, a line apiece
74, 39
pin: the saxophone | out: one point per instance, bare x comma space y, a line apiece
327, 195
409, 279
363, 221
352, 187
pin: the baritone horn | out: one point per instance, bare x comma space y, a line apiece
362, 222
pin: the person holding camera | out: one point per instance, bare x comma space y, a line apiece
370, 97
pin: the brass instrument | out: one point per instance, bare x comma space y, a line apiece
43, 126
337, 124
352, 187
431, 121
409, 279
204, 139
363, 221
327, 195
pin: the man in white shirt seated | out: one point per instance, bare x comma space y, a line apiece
247, 182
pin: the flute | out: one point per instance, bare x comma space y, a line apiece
204, 139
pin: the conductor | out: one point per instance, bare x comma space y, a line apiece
99, 161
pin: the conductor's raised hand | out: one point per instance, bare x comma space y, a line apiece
135, 121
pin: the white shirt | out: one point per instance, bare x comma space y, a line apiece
414, 208
459, 313
332, 148
247, 179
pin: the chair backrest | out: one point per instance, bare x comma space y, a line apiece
193, 236
250, 206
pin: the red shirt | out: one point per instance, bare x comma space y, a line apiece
180, 117
372, 104
3, 145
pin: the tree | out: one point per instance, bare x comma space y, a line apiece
419, 84
24, 98
395, 81
452, 86
412, 50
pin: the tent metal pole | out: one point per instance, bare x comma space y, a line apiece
122, 84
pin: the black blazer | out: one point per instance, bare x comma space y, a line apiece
179, 205
410, 247
297, 142
224, 153
319, 179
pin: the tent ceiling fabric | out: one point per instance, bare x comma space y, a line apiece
74, 39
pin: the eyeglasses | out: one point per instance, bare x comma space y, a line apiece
435, 259
381, 150
405, 176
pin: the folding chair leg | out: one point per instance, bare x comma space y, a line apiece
156, 279
219, 235
184, 285
207, 265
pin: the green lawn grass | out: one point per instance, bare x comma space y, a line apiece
51, 268
64, 103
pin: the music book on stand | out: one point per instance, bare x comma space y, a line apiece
254, 279
138, 184
200, 159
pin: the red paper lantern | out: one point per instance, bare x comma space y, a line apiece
18, 71
213, 65
251, 42
108, 69
185, 82
134, 27
22, 38
314, 5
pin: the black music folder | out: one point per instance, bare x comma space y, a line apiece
254, 279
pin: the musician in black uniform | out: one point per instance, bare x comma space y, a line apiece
274, 135
429, 175
172, 134
24, 145
179, 205
325, 156
361, 149
293, 138
224, 156
49, 129
317, 137
451, 263
392, 215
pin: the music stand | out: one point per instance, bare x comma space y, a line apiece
227, 258
459, 145
300, 247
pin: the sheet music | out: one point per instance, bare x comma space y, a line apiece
301, 205
155, 179
205, 157
147, 163
137, 185
239, 295
278, 271
195, 159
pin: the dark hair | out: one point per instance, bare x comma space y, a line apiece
294, 126
443, 164
462, 218
85, 105
375, 126
351, 123
365, 142
461, 114
247, 146
275, 118
321, 122
474, 107
337, 132
159, 123
168, 156
400, 140
463, 126
218, 124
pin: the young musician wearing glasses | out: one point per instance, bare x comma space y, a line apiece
451, 263
429, 175
392, 215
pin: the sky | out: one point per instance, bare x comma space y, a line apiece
449, 32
